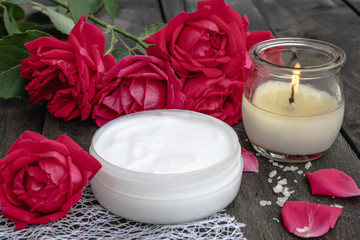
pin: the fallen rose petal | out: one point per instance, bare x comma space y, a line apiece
251, 163
305, 219
332, 182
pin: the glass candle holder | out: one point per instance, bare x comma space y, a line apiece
293, 103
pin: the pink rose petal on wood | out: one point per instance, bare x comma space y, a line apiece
305, 219
332, 182
251, 163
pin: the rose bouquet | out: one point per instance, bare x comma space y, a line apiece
199, 61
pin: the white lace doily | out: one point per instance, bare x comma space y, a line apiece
89, 220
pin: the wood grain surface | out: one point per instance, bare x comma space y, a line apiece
333, 21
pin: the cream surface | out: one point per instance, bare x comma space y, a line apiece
165, 144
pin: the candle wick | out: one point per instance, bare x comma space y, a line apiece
292, 98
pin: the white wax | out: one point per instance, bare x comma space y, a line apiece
308, 126
165, 144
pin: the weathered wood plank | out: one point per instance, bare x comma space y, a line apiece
354, 4
16, 116
330, 21
264, 222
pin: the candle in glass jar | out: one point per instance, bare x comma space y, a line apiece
307, 126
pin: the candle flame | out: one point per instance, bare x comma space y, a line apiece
295, 78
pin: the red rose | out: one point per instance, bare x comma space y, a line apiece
213, 41
219, 97
138, 83
41, 179
67, 74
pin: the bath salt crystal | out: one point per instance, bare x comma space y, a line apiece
278, 177
272, 174
241, 225
337, 205
307, 165
295, 181
269, 180
300, 172
282, 181
265, 202
281, 166
278, 188
270, 160
275, 164
281, 200
291, 168
275, 219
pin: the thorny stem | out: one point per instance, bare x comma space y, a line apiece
105, 25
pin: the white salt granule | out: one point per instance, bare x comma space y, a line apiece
295, 181
291, 168
265, 202
270, 160
272, 174
241, 225
281, 200
307, 165
337, 205
282, 181
281, 166
278, 188
269, 180
278, 177
300, 172
275, 219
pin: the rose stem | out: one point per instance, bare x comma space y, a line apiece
105, 25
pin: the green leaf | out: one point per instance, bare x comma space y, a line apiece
12, 52
111, 8
18, 1
11, 84
140, 48
62, 23
81, 7
15, 12
150, 30
9, 25
24, 26
119, 53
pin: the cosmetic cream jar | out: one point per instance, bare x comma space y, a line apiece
166, 166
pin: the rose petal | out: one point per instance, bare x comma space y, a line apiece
305, 219
251, 163
332, 182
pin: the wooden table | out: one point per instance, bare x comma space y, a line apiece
334, 21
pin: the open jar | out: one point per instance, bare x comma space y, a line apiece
293, 104
166, 166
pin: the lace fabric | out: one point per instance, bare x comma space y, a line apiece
89, 220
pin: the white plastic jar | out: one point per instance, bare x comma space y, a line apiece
166, 166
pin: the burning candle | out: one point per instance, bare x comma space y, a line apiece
293, 113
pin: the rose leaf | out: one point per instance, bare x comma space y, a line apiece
11, 84
332, 182
18, 1
62, 23
12, 51
119, 53
111, 8
78, 8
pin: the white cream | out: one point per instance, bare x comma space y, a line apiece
164, 144
166, 166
